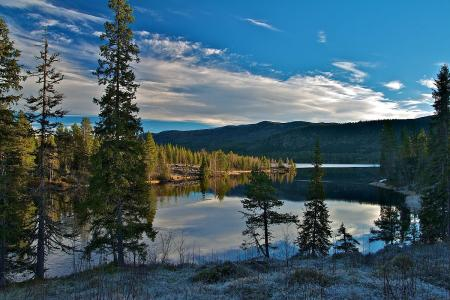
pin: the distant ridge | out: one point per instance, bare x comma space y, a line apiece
355, 142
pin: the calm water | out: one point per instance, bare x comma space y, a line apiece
207, 217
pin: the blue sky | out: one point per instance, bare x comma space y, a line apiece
213, 63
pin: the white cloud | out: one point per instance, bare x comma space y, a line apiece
357, 75
394, 85
178, 48
262, 24
73, 28
48, 23
174, 90
182, 89
142, 33
429, 83
321, 37
97, 33
54, 10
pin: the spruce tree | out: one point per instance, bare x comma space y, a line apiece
44, 109
389, 226
261, 213
435, 210
314, 230
13, 161
346, 243
118, 190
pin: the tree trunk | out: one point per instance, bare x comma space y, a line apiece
120, 248
266, 233
40, 251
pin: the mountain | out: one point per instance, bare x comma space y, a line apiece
357, 142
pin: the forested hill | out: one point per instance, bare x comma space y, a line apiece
357, 142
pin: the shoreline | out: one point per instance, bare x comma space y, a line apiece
179, 177
412, 199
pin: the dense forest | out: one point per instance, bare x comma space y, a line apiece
357, 142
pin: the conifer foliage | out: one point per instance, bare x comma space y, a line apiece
314, 230
435, 212
388, 224
261, 213
118, 191
14, 157
346, 243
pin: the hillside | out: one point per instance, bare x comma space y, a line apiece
357, 142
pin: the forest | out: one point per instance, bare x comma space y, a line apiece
356, 142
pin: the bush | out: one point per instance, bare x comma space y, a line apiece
220, 272
310, 276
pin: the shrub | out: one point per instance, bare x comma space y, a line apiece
220, 272
310, 276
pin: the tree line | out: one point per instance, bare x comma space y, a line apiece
420, 161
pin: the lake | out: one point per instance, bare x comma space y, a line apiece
206, 220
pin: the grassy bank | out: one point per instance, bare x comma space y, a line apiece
419, 272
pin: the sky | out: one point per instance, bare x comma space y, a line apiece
213, 63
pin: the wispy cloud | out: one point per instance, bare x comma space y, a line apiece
261, 23
321, 37
429, 83
356, 74
394, 85
48, 23
52, 9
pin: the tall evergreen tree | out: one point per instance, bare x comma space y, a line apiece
314, 230
346, 243
44, 109
435, 211
118, 191
12, 162
260, 212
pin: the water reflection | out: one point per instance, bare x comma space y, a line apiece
208, 212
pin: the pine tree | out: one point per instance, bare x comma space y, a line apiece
118, 190
151, 156
388, 224
44, 109
12, 168
314, 230
346, 243
435, 211
260, 212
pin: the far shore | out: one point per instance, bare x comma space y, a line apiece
187, 173
413, 200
